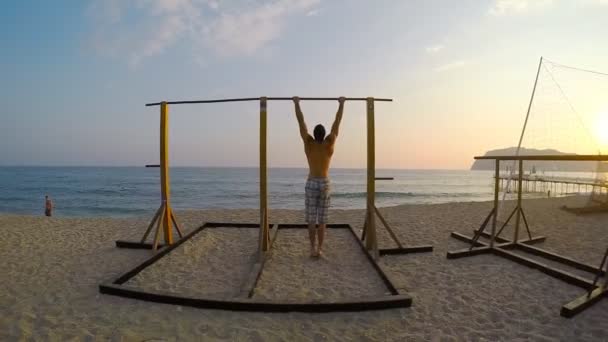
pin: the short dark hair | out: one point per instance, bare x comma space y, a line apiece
319, 133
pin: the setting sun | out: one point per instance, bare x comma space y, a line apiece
601, 129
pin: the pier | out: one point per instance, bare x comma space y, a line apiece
555, 185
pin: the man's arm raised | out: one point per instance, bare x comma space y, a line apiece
300, 116
336, 126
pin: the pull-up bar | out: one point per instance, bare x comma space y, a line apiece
165, 217
269, 99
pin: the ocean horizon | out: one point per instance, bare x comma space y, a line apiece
122, 191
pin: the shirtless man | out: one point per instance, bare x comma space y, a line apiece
318, 152
48, 206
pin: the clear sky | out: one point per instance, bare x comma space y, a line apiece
78, 73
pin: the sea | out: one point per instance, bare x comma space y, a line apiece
135, 191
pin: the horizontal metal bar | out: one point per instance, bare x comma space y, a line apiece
268, 98
568, 157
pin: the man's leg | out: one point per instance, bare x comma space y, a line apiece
311, 217
323, 211
321, 237
311, 236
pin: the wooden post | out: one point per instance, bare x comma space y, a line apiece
517, 218
371, 243
496, 190
164, 172
263, 244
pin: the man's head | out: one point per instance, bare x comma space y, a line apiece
319, 133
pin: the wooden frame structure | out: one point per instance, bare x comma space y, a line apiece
165, 218
245, 301
504, 247
593, 295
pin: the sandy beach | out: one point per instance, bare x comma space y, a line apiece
51, 269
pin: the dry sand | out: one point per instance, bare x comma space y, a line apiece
51, 269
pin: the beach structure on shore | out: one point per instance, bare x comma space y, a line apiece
552, 122
557, 185
506, 248
165, 221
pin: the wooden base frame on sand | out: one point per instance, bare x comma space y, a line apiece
245, 301
161, 218
505, 248
400, 249
593, 295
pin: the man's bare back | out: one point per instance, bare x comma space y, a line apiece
319, 155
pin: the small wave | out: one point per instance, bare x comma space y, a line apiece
392, 194
384, 194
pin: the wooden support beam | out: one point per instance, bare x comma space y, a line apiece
387, 282
179, 231
467, 239
483, 227
136, 245
158, 229
583, 302
156, 215
371, 242
405, 250
534, 240
559, 258
497, 235
554, 272
123, 278
388, 228
519, 196
248, 287
469, 252
394, 300
263, 236
164, 173
251, 305
495, 208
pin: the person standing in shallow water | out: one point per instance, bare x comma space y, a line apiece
319, 151
48, 206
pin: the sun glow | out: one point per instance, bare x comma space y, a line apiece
601, 129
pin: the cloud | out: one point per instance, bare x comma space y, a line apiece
315, 12
137, 29
450, 66
506, 7
434, 49
593, 2
245, 32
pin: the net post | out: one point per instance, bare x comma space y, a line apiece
263, 236
519, 195
371, 242
496, 190
164, 172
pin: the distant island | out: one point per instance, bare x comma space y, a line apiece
538, 166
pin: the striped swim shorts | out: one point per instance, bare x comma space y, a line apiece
317, 200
